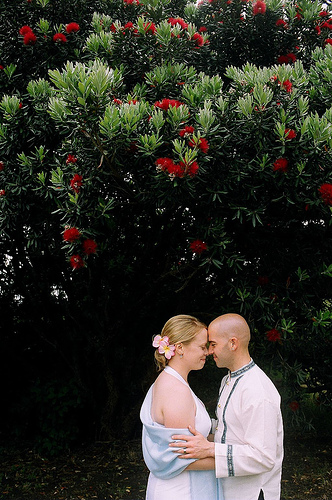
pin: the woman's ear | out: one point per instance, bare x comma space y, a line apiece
179, 349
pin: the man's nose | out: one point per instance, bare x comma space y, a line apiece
210, 350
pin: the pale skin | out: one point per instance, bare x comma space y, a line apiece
229, 337
179, 411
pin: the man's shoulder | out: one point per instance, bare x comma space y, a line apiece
258, 383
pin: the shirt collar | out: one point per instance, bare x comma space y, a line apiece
242, 370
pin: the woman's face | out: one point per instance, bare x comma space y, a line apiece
195, 353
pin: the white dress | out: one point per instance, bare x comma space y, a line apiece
178, 487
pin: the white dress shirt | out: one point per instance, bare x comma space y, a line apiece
249, 435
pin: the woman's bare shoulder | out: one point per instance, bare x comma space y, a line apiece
166, 382
173, 404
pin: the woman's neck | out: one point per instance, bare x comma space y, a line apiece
179, 367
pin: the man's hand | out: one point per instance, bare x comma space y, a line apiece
195, 446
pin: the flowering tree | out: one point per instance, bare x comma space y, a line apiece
168, 158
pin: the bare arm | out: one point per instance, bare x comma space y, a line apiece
203, 464
173, 405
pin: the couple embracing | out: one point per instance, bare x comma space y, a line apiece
239, 455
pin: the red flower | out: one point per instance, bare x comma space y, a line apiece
202, 144
89, 246
198, 39
287, 85
328, 41
327, 25
24, 30
167, 165
2, 192
193, 169
291, 57
131, 2
273, 335
164, 164
150, 28
174, 21
71, 234
72, 28
326, 193
198, 246
2, 166
59, 38
186, 131
283, 60
113, 28
281, 164
323, 13
29, 38
287, 58
202, 29
294, 405
176, 170
1, 67
128, 25
167, 103
190, 169
76, 262
71, 159
117, 101
289, 134
281, 22
76, 183
259, 8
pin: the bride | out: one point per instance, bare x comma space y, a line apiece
170, 406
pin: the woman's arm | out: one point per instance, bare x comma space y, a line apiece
173, 405
202, 464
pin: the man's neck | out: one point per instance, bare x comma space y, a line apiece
240, 363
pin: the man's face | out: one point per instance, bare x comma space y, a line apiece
219, 347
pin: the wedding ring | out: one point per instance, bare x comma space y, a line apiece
184, 450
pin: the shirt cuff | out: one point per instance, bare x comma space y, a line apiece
224, 461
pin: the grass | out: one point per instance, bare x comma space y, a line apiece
116, 471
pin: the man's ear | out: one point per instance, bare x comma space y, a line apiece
234, 343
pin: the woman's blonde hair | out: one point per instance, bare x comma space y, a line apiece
182, 328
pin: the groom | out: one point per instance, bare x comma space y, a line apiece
248, 436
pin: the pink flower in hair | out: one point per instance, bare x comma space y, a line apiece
157, 339
165, 348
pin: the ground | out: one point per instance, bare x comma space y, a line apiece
113, 471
